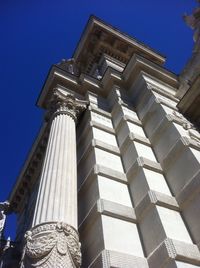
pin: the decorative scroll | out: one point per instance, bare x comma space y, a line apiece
52, 245
62, 103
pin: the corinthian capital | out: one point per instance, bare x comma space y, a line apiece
52, 245
62, 103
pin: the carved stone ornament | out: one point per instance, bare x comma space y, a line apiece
70, 66
62, 103
4, 206
193, 21
52, 245
192, 132
192, 68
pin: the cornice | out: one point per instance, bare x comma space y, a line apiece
99, 37
81, 84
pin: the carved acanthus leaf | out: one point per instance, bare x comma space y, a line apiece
62, 103
52, 245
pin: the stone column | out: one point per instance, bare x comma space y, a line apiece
53, 239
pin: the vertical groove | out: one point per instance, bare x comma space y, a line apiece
57, 195
64, 170
42, 182
50, 168
61, 179
56, 171
62, 185
49, 172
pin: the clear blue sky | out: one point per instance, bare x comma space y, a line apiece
38, 33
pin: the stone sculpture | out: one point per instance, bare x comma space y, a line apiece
192, 68
3, 210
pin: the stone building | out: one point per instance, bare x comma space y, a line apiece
120, 132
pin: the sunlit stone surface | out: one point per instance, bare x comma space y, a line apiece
114, 138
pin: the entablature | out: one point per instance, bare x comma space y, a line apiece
101, 38
84, 82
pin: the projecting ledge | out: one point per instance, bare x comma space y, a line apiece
153, 198
173, 249
126, 118
109, 208
189, 191
94, 143
105, 172
143, 162
109, 259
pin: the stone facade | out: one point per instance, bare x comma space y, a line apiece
114, 137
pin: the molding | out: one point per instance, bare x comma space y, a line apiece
105, 172
110, 259
100, 111
153, 199
175, 151
106, 147
170, 250
163, 124
119, 103
141, 163
163, 93
108, 208
165, 103
94, 143
189, 191
107, 29
132, 120
136, 66
140, 139
131, 138
148, 112
126, 118
102, 127
145, 104
116, 210
166, 122
111, 173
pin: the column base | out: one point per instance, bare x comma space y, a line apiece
51, 244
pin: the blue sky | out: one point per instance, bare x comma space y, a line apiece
38, 33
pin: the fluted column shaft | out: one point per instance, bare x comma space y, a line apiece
57, 196
53, 239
